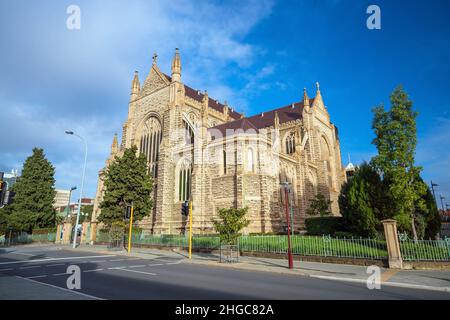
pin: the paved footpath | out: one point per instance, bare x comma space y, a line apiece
40, 272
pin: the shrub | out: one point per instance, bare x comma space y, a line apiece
323, 225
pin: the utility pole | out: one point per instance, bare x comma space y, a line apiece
130, 229
290, 259
442, 203
432, 189
190, 229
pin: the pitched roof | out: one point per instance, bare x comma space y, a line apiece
266, 119
198, 96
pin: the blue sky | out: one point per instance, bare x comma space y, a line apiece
257, 55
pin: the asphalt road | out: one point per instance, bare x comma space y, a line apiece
41, 273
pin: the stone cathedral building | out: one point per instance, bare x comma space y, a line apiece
201, 149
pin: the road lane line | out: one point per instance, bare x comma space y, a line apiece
115, 260
56, 259
30, 267
93, 270
42, 276
6, 269
136, 271
115, 268
97, 261
138, 266
60, 274
64, 289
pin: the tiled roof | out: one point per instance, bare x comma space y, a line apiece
266, 119
197, 95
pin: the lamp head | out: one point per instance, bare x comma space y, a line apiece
69, 132
73, 188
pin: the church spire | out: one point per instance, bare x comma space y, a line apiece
305, 99
114, 145
176, 67
318, 90
135, 86
276, 121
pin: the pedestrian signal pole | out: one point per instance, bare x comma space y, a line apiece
190, 229
129, 232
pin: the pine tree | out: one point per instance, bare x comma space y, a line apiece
34, 195
361, 203
127, 181
396, 140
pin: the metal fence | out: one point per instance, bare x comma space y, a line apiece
26, 238
425, 250
324, 246
301, 245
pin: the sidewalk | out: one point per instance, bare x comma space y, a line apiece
416, 279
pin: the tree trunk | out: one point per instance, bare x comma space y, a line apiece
413, 226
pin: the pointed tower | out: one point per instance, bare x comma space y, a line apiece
276, 121
305, 100
135, 86
318, 101
226, 111
114, 145
176, 67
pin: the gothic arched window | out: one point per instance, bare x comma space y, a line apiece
326, 158
290, 144
184, 180
188, 133
149, 143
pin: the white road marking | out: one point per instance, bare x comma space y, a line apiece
115, 260
56, 259
156, 264
30, 267
114, 268
42, 276
55, 265
149, 273
138, 266
25, 254
6, 269
64, 289
97, 261
60, 274
93, 270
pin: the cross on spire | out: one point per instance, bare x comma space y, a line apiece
154, 57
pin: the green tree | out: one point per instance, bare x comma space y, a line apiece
360, 202
319, 206
231, 222
428, 218
396, 140
34, 195
126, 181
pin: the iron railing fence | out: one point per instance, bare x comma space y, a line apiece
324, 246
26, 238
425, 250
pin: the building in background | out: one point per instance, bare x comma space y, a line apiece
7, 180
61, 198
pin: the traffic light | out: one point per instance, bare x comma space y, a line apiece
185, 208
127, 212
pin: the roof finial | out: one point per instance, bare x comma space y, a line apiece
305, 98
154, 57
176, 66
114, 145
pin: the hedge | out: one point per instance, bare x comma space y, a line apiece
323, 225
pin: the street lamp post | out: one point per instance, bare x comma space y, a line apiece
290, 259
81, 189
442, 203
70, 195
432, 189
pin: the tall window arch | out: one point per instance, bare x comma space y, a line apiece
188, 133
290, 143
326, 158
149, 144
224, 156
184, 180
